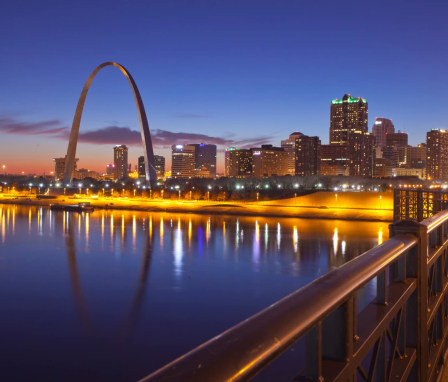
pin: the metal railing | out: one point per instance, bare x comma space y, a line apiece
400, 335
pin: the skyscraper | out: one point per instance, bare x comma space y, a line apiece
395, 149
303, 154
399, 139
120, 162
361, 154
381, 128
437, 154
348, 127
141, 167
347, 115
183, 160
289, 145
205, 158
238, 162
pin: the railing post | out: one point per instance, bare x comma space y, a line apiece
417, 307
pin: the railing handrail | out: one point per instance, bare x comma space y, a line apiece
243, 350
435, 221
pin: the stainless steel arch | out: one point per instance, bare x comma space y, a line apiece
144, 127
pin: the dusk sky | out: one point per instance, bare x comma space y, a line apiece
237, 73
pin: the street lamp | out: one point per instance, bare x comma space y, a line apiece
4, 169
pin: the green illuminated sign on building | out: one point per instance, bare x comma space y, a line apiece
350, 99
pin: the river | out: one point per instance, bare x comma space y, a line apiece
114, 295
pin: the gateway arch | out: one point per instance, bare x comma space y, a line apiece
144, 127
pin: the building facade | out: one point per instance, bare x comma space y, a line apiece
347, 115
238, 163
205, 159
361, 154
120, 162
334, 160
303, 154
381, 128
141, 167
399, 139
183, 161
269, 161
159, 162
437, 155
59, 167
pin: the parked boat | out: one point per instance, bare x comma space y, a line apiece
80, 207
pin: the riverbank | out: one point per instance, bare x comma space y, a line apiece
370, 206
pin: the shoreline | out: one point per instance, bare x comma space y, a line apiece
307, 207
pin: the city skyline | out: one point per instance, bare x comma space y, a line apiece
264, 68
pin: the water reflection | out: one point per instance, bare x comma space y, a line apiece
145, 284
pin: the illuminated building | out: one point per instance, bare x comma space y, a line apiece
395, 149
120, 162
110, 169
348, 127
402, 171
183, 160
334, 160
399, 139
205, 159
141, 167
381, 128
289, 145
59, 167
238, 162
361, 154
82, 173
437, 154
383, 168
268, 161
415, 156
159, 162
347, 115
303, 154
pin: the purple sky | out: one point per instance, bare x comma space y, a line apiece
226, 72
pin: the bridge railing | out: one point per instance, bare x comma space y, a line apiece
400, 335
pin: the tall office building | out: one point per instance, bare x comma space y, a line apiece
141, 169
289, 145
268, 161
205, 158
59, 167
183, 161
395, 149
348, 128
399, 139
361, 154
347, 115
437, 154
415, 156
381, 128
303, 154
159, 162
238, 162
120, 162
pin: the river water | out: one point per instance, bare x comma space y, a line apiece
114, 295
